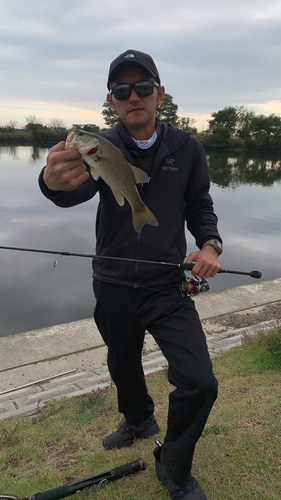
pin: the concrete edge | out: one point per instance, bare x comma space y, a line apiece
30, 401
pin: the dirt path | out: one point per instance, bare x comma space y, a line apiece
242, 319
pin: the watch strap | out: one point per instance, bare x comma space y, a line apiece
216, 244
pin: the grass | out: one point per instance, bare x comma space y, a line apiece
237, 457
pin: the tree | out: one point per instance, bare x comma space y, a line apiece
89, 127
32, 120
167, 111
110, 117
244, 121
220, 137
187, 123
56, 124
266, 128
10, 127
41, 133
226, 117
237, 119
33, 125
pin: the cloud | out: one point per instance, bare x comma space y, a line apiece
267, 107
71, 113
209, 54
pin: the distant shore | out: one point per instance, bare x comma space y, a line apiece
48, 138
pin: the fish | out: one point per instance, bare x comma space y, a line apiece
108, 162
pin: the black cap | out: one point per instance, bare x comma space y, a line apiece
133, 57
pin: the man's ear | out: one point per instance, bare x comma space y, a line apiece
110, 101
161, 93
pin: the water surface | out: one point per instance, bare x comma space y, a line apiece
246, 192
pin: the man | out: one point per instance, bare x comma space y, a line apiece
133, 297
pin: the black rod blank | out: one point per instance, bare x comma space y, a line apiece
85, 484
187, 267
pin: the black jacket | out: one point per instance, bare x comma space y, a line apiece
178, 190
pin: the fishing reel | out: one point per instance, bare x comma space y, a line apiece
190, 287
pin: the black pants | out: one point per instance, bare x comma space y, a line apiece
122, 315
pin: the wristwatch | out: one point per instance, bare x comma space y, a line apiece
216, 244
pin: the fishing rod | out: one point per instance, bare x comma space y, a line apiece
183, 266
69, 489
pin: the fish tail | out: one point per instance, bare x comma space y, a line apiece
145, 216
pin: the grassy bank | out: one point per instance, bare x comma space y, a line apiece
238, 456
42, 137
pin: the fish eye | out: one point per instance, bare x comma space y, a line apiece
81, 132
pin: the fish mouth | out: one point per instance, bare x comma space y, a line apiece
70, 140
71, 145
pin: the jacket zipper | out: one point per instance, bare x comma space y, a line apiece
144, 197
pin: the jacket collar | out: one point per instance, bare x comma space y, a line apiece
169, 139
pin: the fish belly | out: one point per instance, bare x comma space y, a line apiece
122, 182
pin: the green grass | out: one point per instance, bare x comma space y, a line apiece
237, 457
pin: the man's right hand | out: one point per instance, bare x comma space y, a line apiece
65, 170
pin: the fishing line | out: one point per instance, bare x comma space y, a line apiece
189, 287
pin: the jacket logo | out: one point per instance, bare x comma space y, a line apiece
168, 165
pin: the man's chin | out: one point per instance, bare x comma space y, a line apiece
136, 124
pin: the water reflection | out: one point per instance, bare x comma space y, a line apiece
233, 169
17, 152
10, 150
246, 191
38, 154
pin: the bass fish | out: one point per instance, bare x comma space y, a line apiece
108, 162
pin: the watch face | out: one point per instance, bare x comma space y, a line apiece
218, 243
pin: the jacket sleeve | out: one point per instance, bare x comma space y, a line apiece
66, 199
199, 212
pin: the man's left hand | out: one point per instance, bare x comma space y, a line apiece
206, 262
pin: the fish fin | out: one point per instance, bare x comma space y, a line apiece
103, 158
118, 197
142, 218
95, 173
141, 177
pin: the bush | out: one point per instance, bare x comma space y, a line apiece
269, 339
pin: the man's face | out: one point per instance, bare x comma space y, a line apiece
136, 112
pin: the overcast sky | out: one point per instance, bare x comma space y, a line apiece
55, 55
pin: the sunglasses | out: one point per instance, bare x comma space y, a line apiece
142, 89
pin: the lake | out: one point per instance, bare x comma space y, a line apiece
246, 189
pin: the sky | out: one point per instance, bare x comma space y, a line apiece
55, 55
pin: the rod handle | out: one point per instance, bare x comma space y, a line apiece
127, 469
70, 489
253, 274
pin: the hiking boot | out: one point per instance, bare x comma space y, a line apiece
193, 490
127, 434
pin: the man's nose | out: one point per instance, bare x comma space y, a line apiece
134, 96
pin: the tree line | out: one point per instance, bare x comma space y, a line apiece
36, 132
233, 127
250, 130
